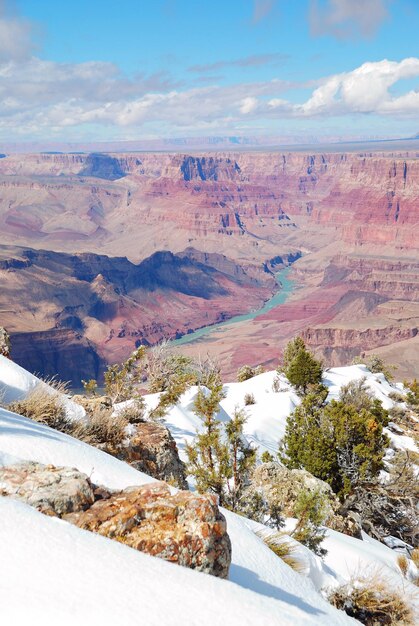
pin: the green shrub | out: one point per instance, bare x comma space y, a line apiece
266, 457
219, 462
338, 442
247, 371
90, 386
311, 510
122, 381
300, 366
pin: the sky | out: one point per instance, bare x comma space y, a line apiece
99, 70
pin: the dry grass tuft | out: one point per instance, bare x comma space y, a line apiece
372, 600
284, 548
403, 563
134, 413
45, 406
249, 399
103, 430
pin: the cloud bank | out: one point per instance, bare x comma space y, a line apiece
40, 96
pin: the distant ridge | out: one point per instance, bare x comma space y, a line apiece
219, 143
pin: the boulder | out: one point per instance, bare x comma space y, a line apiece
184, 528
153, 450
280, 488
54, 491
92, 404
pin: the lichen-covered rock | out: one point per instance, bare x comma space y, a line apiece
184, 528
153, 450
93, 403
280, 488
52, 490
4, 342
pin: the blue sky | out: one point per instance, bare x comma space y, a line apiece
97, 70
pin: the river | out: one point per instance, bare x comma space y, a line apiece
279, 297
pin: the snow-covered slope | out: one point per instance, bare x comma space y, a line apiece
92, 577
55, 573
266, 422
23, 439
16, 383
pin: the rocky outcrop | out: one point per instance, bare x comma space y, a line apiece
102, 166
54, 491
209, 168
153, 450
280, 487
184, 528
340, 345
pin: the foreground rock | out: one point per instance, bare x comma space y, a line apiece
183, 528
153, 450
52, 490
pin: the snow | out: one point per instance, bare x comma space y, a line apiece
93, 578
87, 578
16, 383
265, 426
55, 573
23, 439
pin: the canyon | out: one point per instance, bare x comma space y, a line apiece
102, 252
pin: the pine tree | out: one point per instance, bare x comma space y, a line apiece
292, 348
122, 381
220, 460
208, 454
242, 457
311, 513
300, 366
340, 443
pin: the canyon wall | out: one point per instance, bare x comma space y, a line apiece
352, 218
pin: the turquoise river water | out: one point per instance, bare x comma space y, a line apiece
280, 297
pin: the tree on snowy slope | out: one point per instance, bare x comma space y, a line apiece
341, 443
300, 366
219, 462
5, 345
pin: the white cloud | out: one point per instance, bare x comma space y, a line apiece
40, 98
346, 18
364, 90
15, 35
248, 105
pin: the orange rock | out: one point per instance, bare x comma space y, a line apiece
184, 528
